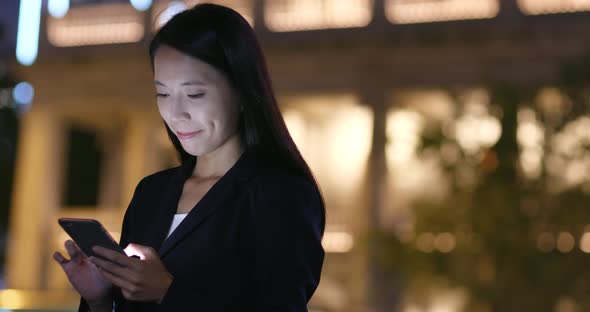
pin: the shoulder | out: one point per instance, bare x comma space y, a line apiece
155, 181
275, 190
279, 180
287, 205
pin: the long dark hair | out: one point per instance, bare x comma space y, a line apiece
222, 38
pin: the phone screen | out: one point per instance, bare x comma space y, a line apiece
87, 233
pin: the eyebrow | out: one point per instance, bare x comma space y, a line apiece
187, 83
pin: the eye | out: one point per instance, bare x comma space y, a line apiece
161, 95
194, 96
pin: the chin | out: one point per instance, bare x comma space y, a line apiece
196, 150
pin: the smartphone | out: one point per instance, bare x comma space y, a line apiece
87, 233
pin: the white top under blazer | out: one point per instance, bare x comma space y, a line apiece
175, 222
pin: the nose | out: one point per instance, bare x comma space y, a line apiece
178, 110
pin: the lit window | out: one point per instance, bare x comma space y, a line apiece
293, 15
334, 134
163, 11
96, 24
424, 11
538, 7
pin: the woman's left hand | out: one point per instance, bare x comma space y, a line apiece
141, 279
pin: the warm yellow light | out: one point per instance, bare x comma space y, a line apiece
96, 24
334, 134
546, 242
12, 299
163, 11
585, 242
403, 129
296, 124
530, 161
531, 139
475, 132
116, 235
448, 300
566, 304
244, 7
292, 15
37, 300
422, 11
337, 241
348, 149
530, 134
476, 128
445, 242
569, 159
439, 299
409, 169
412, 308
538, 7
565, 242
435, 104
553, 103
425, 242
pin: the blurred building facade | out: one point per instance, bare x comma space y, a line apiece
360, 83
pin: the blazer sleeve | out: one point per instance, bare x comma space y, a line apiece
123, 241
289, 253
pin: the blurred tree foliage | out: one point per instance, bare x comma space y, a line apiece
498, 221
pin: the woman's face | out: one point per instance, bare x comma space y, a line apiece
195, 100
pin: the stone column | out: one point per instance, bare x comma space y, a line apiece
138, 156
383, 293
37, 192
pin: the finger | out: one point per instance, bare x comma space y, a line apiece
74, 252
122, 283
73, 245
57, 256
114, 269
116, 257
131, 295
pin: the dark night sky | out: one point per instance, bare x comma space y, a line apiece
8, 23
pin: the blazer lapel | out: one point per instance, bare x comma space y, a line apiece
166, 207
223, 190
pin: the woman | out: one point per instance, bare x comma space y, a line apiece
238, 225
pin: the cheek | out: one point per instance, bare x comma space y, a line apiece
226, 119
163, 112
229, 112
210, 112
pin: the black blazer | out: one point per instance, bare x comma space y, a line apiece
253, 242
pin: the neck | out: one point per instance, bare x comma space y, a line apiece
217, 162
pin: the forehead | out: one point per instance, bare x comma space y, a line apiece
172, 65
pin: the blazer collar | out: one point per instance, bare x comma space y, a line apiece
221, 191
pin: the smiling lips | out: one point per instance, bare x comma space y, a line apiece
187, 135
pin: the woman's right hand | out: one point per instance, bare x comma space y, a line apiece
83, 274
